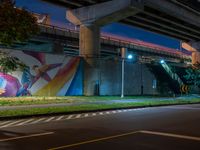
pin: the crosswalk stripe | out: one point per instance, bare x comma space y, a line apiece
69, 117
59, 118
5, 122
78, 116
9, 124
101, 113
86, 115
37, 120
49, 119
25, 122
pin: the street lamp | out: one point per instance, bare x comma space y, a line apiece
162, 61
130, 56
124, 56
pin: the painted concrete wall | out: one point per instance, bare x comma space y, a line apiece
45, 75
59, 75
135, 75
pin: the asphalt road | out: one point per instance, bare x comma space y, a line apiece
156, 128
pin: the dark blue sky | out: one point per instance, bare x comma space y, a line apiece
57, 14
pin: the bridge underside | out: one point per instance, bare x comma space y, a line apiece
172, 20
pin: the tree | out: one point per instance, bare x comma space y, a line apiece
16, 25
192, 76
9, 63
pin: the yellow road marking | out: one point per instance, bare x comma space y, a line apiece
26, 136
172, 135
95, 140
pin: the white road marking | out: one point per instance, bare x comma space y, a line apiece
26, 136
49, 119
171, 135
78, 116
69, 117
9, 124
37, 120
59, 118
86, 115
94, 114
5, 122
25, 122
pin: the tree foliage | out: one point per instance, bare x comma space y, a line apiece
10, 63
192, 75
16, 25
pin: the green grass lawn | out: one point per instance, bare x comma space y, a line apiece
93, 107
13, 101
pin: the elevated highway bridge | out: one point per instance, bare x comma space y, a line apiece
66, 40
175, 18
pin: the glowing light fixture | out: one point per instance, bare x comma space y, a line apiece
130, 56
162, 61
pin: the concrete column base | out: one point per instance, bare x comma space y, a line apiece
91, 77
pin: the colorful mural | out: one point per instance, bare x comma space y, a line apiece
45, 75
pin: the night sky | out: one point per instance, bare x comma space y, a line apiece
57, 14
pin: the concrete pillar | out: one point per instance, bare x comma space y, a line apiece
89, 41
90, 49
195, 57
90, 18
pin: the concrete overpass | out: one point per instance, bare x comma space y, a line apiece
53, 39
176, 18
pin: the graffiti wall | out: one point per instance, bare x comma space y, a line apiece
45, 75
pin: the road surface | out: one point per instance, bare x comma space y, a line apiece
155, 128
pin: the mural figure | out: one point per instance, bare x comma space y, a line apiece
2, 85
49, 79
41, 72
9, 85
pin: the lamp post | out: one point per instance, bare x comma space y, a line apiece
124, 56
122, 88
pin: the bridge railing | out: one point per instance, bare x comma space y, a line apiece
71, 31
141, 43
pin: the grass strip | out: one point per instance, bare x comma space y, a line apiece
91, 107
14, 101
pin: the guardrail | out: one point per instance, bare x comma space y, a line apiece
108, 36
